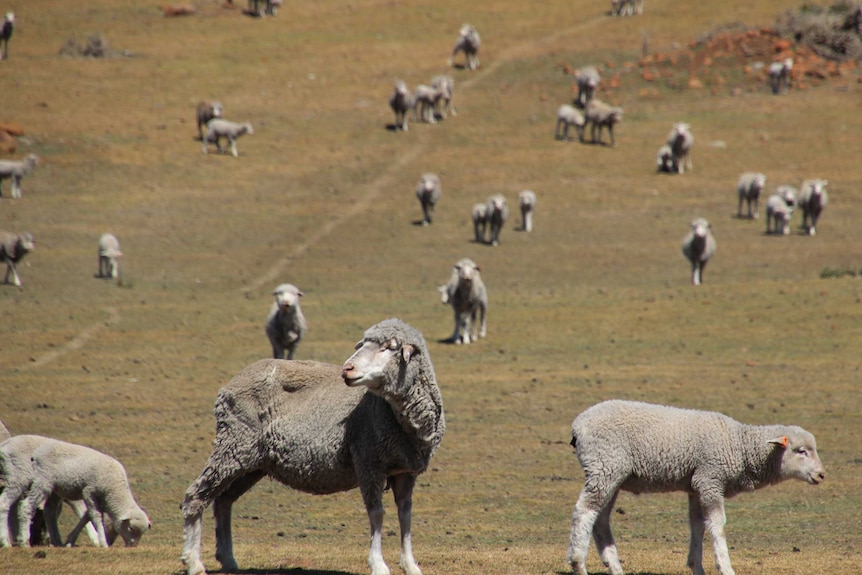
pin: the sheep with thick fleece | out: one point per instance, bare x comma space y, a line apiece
497, 214
428, 192
646, 448
698, 247
527, 203
16, 171
219, 128
401, 102
425, 100
109, 254
680, 139
627, 7
748, 188
587, 80
568, 116
206, 111
479, 214
779, 75
13, 248
465, 292
285, 324
601, 115
812, 199
469, 43
779, 210
445, 85
297, 423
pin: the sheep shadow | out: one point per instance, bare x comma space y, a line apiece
287, 571
420, 223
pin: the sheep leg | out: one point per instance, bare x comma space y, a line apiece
80, 509
715, 520
16, 186
695, 273
402, 489
372, 495
52, 513
697, 524
583, 518
233, 146
11, 494
483, 330
35, 499
604, 539
222, 507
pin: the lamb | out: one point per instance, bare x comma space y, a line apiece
698, 247
812, 199
425, 100
469, 43
664, 160
599, 115
13, 248
428, 191
479, 215
527, 203
445, 85
779, 75
627, 7
219, 128
285, 325
16, 171
568, 116
497, 214
297, 423
587, 80
206, 111
749, 188
680, 139
5, 34
779, 210
109, 253
466, 293
400, 102
645, 448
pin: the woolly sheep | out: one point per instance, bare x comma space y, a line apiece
469, 43
400, 102
479, 215
645, 448
296, 422
627, 7
13, 248
270, 7
218, 128
587, 80
812, 199
680, 139
285, 324
207, 111
465, 292
109, 253
698, 246
749, 188
779, 210
568, 116
527, 203
600, 115
445, 85
779, 75
497, 214
664, 159
425, 100
16, 171
428, 191
5, 34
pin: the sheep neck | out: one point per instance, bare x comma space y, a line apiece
419, 409
761, 460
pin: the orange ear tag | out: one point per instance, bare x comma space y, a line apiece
784, 441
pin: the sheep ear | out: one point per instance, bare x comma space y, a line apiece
407, 351
779, 442
299, 293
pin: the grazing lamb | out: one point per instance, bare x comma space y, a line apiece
400, 102
749, 188
601, 115
428, 191
285, 324
445, 85
207, 111
109, 253
587, 80
779, 210
645, 448
469, 43
527, 203
498, 213
680, 139
16, 171
479, 215
779, 75
13, 248
627, 7
664, 160
297, 423
466, 293
812, 199
425, 100
5, 34
698, 246
218, 128
568, 116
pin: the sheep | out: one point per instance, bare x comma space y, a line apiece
425, 100
498, 213
16, 171
749, 188
445, 85
428, 191
664, 159
680, 139
812, 199
75, 472
568, 116
13, 248
645, 448
296, 422
206, 111
285, 324
400, 102
5, 34
779, 210
218, 128
109, 253
527, 203
466, 293
479, 215
599, 115
779, 75
270, 7
698, 246
627, 7
469, 43
587, 80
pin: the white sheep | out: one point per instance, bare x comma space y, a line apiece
401, 102
469, 43
479, 215
270, 7
13, 248
466, 293
645, 448
497, 214
627, 7
779, 210
568, 116
601, 115
428, 192
698, 247
16, 171
587, 80
298, 423
680, 139
749, 188
779, 75
5, 34
218, 128
285, 324
425, 99
206, 111
812, 199
664, 159
109, 254
527, 203
445, 85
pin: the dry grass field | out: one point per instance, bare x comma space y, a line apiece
595, 303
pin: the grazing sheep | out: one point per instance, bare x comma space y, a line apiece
285, 324
109, 253
698, 246
527, 203
479, 215
13, 248
664, 160
627, 7
779, 210
445, 85
207, 111
779, 76
498, 213
425, 100
74, 472
568, 116
465, 292
270, 7
812, 199
587, 79
5, 34
217, 128
16, 170
297, 423
645, 448
429, 190
400, 102
749, 188
469, 43
600, 115
680, 139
